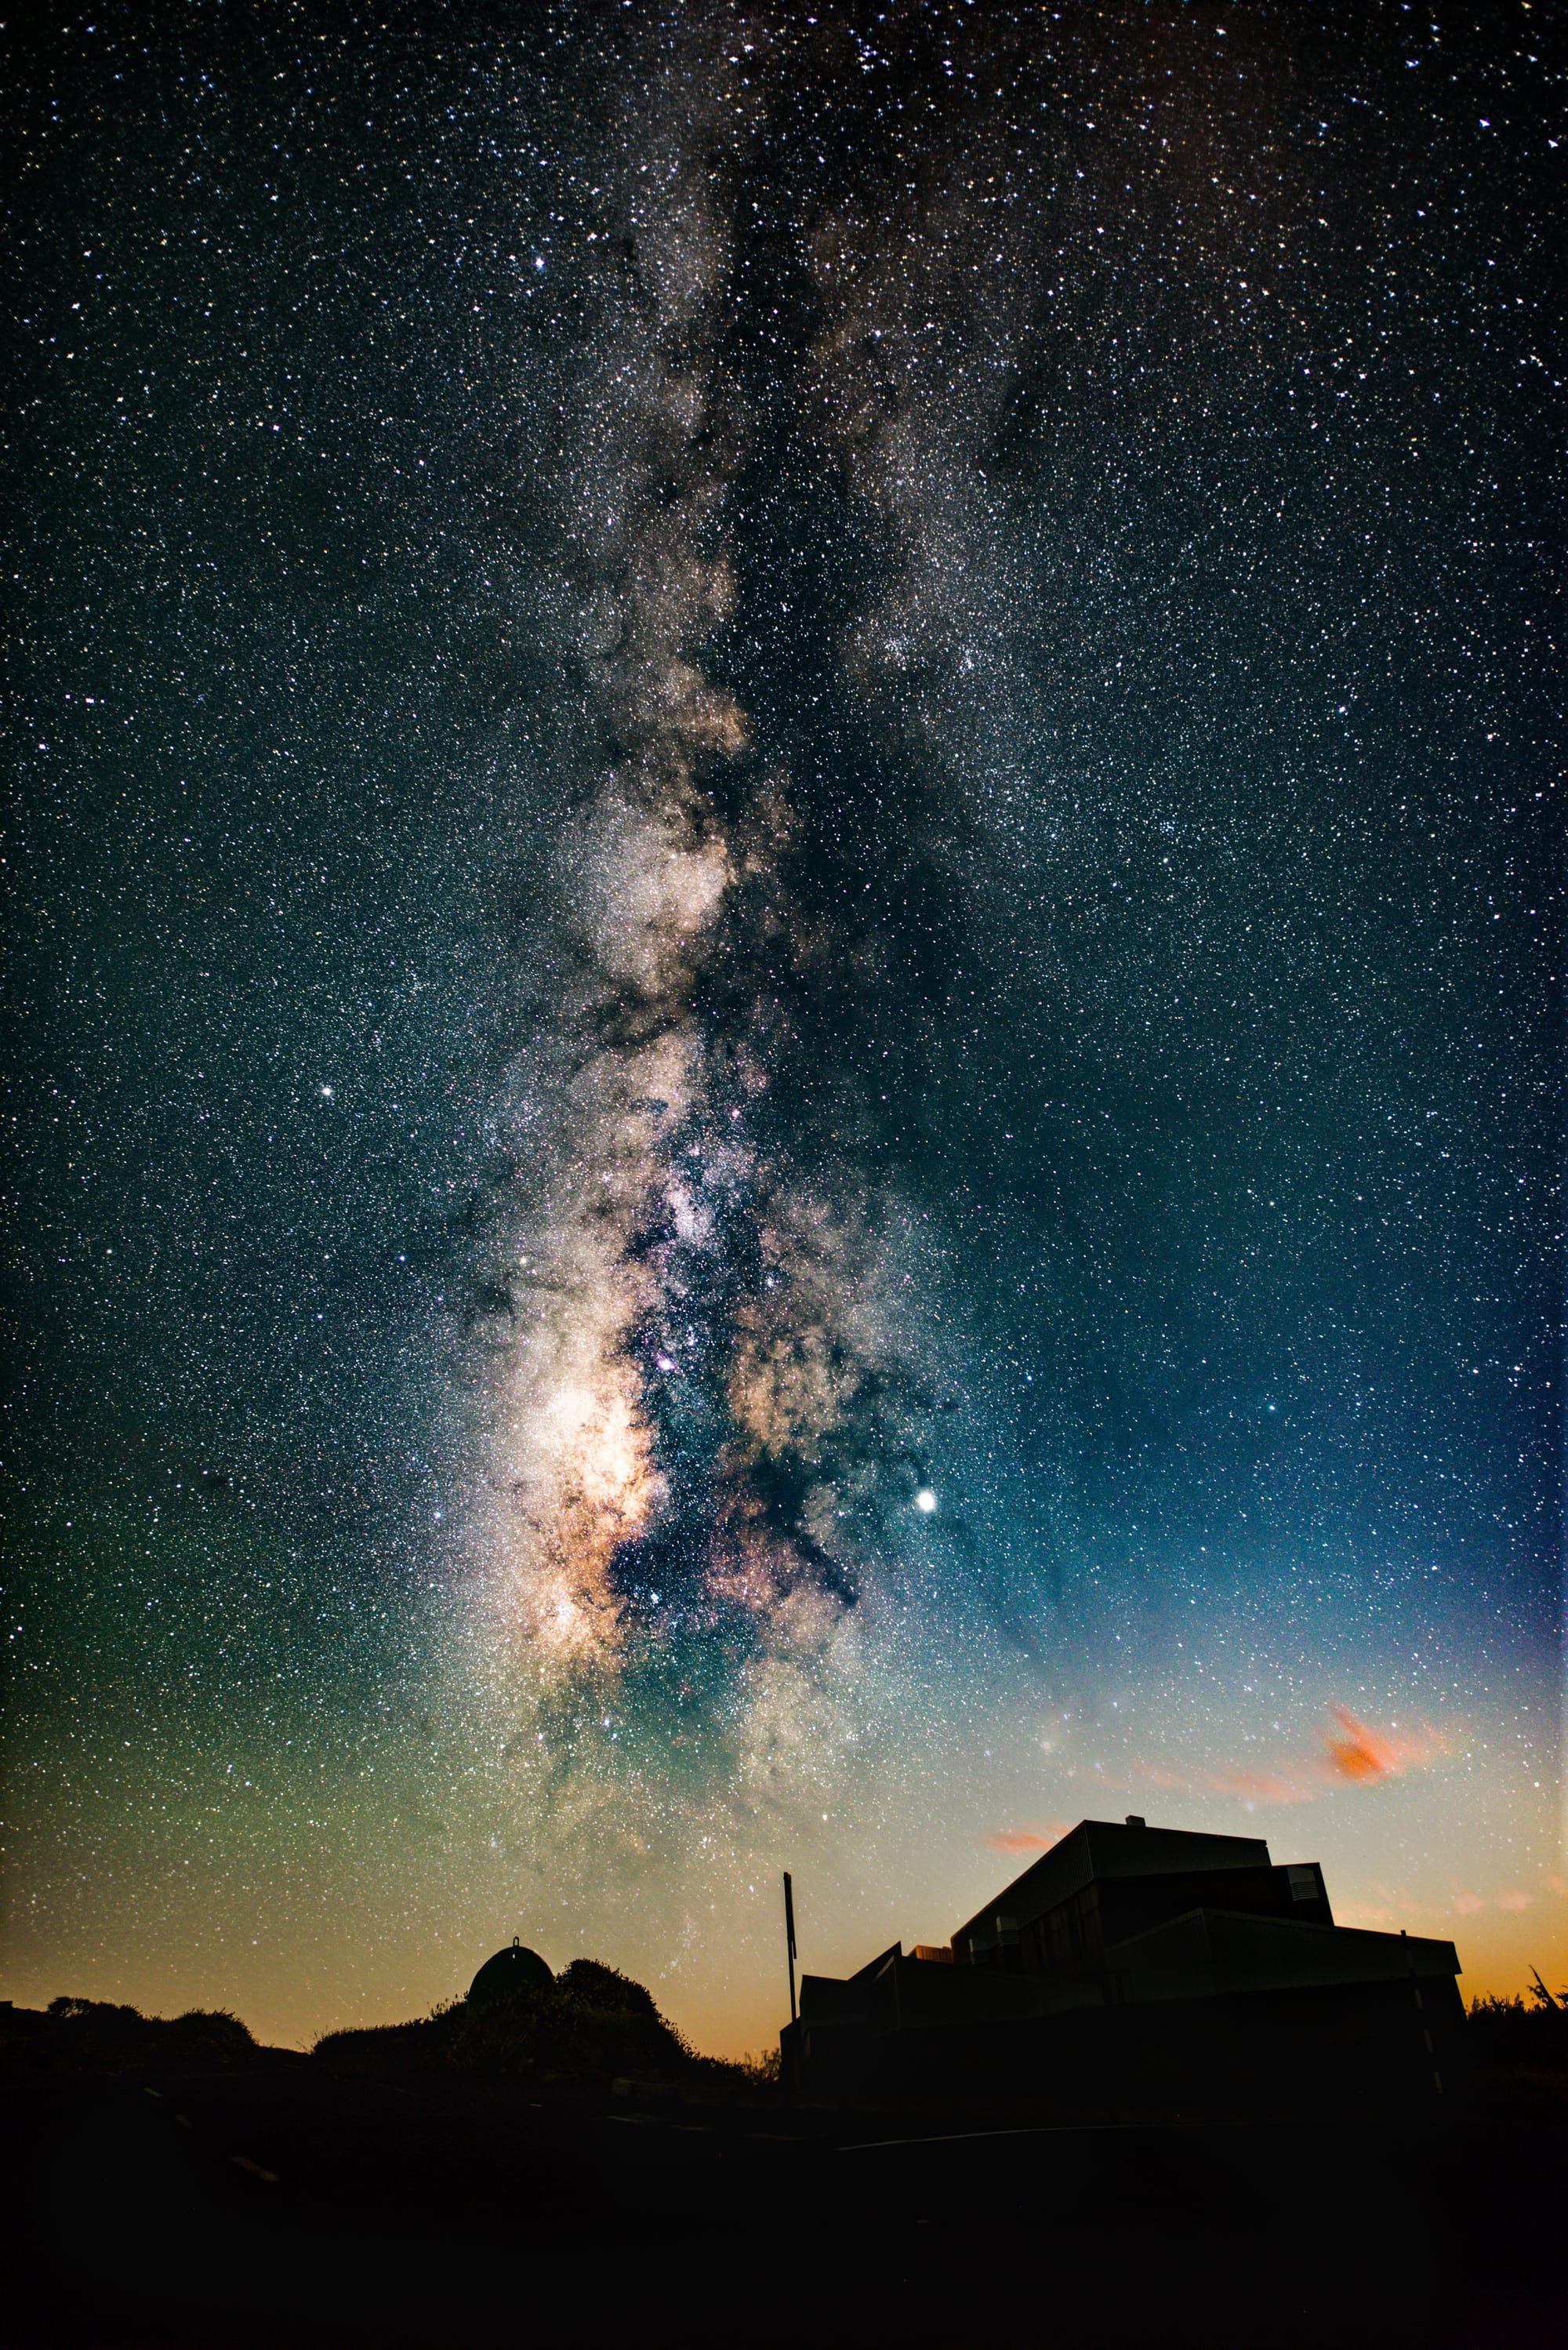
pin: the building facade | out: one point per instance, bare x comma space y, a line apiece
1139, 1972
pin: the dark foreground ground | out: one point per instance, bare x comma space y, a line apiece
281, 2205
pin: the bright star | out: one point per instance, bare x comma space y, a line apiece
924, 1501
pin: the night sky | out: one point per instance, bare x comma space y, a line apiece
786, 1050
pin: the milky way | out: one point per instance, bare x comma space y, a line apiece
671, 1400
702, 1416
787, 876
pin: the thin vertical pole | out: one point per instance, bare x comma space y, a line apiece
789, 1938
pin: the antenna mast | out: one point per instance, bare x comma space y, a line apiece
789, 1938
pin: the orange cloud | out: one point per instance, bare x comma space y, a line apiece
1350, 1753
1463, 1902
1364, 1756
1257, 1786
1027, 1839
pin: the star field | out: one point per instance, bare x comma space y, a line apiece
787, 1065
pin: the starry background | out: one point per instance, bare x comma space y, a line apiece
1130, 435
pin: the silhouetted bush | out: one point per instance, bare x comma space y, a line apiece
379, 2048
1515, 2057
592, 2024
94, 2035
607, 1990
1509, 2031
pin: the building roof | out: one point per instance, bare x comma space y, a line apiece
1101, 1849
1208, 1952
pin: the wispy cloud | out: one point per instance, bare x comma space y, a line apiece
1386, 1904
1028, 1839
1259, 1786
1364, 1756
1348, 1754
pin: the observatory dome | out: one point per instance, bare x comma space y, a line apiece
511, 1970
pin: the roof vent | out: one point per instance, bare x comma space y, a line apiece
1136, 1820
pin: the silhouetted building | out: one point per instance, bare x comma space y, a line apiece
1138, 1972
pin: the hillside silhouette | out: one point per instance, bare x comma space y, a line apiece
591, 2023
173, 2180
95, 2035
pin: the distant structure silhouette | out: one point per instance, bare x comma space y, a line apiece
1136, 1971
512, 1970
